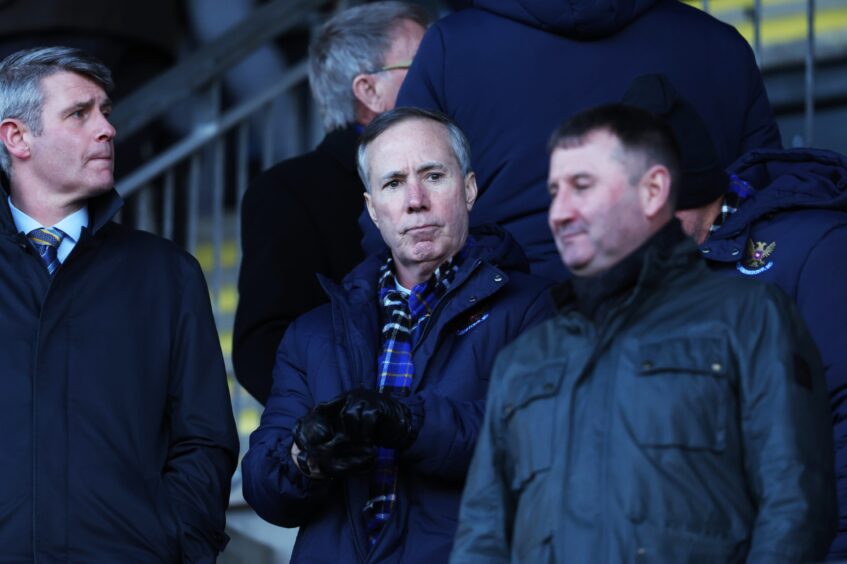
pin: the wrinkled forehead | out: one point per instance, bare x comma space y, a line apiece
411, 142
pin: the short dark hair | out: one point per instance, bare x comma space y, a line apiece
638, 131
383, 122
20, 83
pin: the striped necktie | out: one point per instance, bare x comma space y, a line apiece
47, 240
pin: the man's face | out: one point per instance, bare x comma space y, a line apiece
596, 215
74, 154
418, 197
406, 37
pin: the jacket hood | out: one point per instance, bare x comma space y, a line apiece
785, 179
572, 18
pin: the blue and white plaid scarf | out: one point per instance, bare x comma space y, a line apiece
405, 316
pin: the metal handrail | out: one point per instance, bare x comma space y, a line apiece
207, 132
209, 63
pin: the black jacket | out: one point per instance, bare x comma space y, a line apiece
298, 219
690, 425
118, 438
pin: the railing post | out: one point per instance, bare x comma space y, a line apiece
757, 30
810, 74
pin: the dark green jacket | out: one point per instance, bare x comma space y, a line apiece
691, 426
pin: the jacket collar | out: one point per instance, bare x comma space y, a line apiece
101, 209
663, 255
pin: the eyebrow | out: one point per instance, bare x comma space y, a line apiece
87, 104
432, 165
425, 167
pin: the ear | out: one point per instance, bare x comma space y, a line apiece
13, 136
371, 211
654, 189
366, 91
470, 190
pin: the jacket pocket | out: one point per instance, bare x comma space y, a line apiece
680, 394
535, 550
167, 518
529, 415
658, 544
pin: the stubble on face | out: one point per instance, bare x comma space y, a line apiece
595, 216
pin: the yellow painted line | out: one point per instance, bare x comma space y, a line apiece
717, 7
228, 299
793, 28
226, 342
205, 254
248, 420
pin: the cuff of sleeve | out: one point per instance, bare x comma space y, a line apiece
300, 481
417, 407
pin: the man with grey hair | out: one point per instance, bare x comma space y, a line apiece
115, 404
357, 62
378, 396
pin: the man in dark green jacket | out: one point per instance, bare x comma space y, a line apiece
667, 414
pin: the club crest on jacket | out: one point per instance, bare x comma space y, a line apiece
756, 260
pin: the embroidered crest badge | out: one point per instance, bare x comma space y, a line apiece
757, 254
476, 317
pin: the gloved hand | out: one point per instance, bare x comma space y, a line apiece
371, 418
324, 446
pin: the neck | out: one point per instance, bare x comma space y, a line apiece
411, 276
45, 208
701, 226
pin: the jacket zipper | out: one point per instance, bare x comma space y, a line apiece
24, 246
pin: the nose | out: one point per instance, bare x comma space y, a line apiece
561, 208
105, 131
417, 197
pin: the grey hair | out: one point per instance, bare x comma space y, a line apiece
459, 144
21, 74
353, 42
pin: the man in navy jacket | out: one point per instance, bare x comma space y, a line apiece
777, 216
378, 396
118, 436
504, 70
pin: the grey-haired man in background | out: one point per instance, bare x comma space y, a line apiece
299, 218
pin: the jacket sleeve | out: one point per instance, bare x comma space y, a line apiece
203, 449
272, 484
487, 509
787, 434
448, 429
276, 282
820, 297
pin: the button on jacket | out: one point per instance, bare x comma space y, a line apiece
691, 425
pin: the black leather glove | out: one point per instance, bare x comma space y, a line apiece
322, 444
371, 418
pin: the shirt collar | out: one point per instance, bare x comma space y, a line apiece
70, 225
